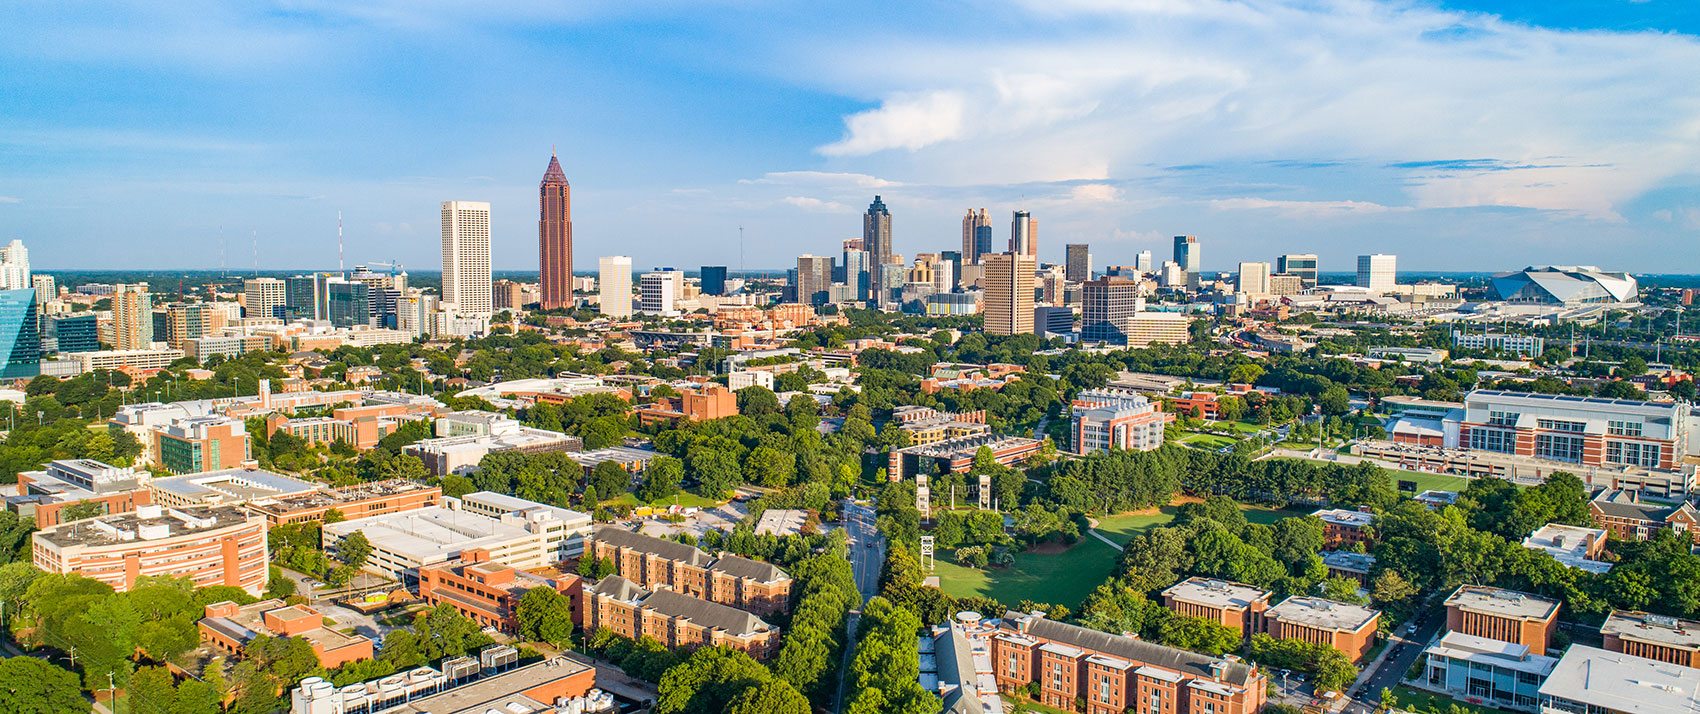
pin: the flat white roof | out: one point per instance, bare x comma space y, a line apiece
432, 534
1621, 683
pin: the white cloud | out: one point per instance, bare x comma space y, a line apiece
1308, 209
814, 204
1095, 193
821, 178
10, 199
908, 121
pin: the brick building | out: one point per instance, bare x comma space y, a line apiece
362, 500
957, 455
1234, 605
1116, 673
199, 444
1504, 615
217, 545
230, 627
1342, 527
1628, 517
1346, 627
42, 495
710, 402
674, 619
729, 580
1660, 637
485, 591
1116, 419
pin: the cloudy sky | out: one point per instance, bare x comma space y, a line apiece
1472, 135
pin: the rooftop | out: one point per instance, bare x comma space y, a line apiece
1569, 545
1348, 561
1472, 648
733, 565
712, 615
1323, 614
231, 486
331, 498
1132, 649
144, 524
1345, 517
249, 621
498, 692
1570, 401
1501, 602
968, 445
1621, 683
432, 534
1658, 629
1216, 593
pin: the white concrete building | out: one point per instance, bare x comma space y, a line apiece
659, 289
615, 283
519, 534
466, 258
1378, 272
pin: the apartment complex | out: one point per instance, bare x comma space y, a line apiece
1113, 418
1658, 637
674, 619
1113, 674
1234, 605
1628, 517
362, 500
729, 580
230, 627
1346, 627
218, 545
1503, 615
486, 591
1342, 527
42, 495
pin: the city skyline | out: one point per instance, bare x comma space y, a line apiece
1488, 160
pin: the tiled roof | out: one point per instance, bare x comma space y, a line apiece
1134, 650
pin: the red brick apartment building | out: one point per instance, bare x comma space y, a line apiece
674, 619
1630, 518
1234, 605
1346, 627
710, 402
486, 592
1504, 615
729, 580
1657, 637
1113, 674
1343, 527
230, 627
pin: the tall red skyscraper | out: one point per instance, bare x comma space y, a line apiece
555, 237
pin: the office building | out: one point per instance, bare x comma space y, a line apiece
466, 257
1113, 418
197, 444
1568, 285
459, 454
555, 237
956, 455
1377, 272
263, 297
856, 274
507, 295
1590, 431
1656, 637
1105, 304
1024, 235
46, 288
531, 538
229, 627
676, 620
1146, 328
44, 494
486, 592
1283, 284
876, 234
1009, 293
1112, 674
976, 235
1049, 319
303, 297
1520, 345
615, 283
1186, 254
657, 291
1349, 628
661, 564
1504, 615
132, 317
1300, 264
226, 488
1594, 681
15, 267
361, 500
1233, 605
348, 303
1343, 526
1486, 671
1254, 279
1142, 262
20, 337
814, 279
1079, 263
714, 280
217, 545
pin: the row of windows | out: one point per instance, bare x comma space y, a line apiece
1623, 428
1560, 425
1494, 440
1559, 448
1633, 453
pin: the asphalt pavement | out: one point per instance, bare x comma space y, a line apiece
867, 556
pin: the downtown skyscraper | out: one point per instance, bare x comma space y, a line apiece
555, 237
1009, 293
466, 258
876, 234
1024, 234
976, 236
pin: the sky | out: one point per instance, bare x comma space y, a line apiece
1469, 135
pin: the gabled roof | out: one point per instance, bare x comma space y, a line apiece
756, 570
1192, 664
671, 550
712, 615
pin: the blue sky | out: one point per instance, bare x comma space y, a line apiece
1474, 135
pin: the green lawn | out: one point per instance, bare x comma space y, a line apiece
1420, 701
1123, 527
1428, 481
1063, 578
1023, 704
1208, 441
685, 498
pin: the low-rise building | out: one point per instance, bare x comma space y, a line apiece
1112, 418
216, 545
1574, 546
1504, 615
533, 538
1589, 680
674, 619
1483, 671
731, 580
1630, 517
469, 440
1342, 527
490, 682
630, 459
44, 494
710, 402
1235, 605
362, 500
1346, 564
1660, 637
485, 591
200, 444
957, 455
228, 487
1346, 627
230, 627
926, 425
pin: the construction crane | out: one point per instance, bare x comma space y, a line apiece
394, 267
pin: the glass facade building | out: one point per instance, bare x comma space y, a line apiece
78, 332
20, 339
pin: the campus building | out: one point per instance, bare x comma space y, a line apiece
1346, 627
490, 682
200, 444
218, 545
674, 619
730, 580
1234, 605
230, 627
44, 494
1575, 546
362, 500
1660, 637
1589, 680
485, 591
926, 425
1627, 517
710, 402
1342, 527
1112, 418
228, 487
957, 455
531, 538
1504, 615
469, 439
1113, 674
1487, 671
1587, 431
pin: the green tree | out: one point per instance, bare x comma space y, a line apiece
661, 479
354, 550
545, 615
1200, 635
775, 697
32, 686
80, 510
757, 400
610, 480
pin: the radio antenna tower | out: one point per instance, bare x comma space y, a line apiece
256, 254
339, 242
741, 270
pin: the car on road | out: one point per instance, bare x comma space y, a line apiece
1411, 629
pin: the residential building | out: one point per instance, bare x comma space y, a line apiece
44, 494
216, 545
1349, 628
15, 267
658, 290
1300, 264
1024, 235
1377, 272
531, 538
1589, 431
198, 444
1079, 262
1657, 637
1008, 284
1589, 680
1574, 546
1565, 285
615, 283
661, 564
1105, 306
555, 237
1628, 517
507, 295
70, 332
1521, 345
361, 500
876, 235
229, 487
20, 336
229, 628
713, 279
1113, 418
487, 592
263, 297
1504, 615
1146, 328
976, 236
1486, 671
487, 683
46, 289
1113, 674
676, 620
1233, 605
957, 455
1343, 527
1346, 564
466, 257
132, 317
711, 401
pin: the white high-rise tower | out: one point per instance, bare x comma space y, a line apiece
466, 257
615, 281
1377, 272
15, 266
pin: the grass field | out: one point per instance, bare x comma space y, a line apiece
1022, 704
1123, 527
1063, 578
1430, 482
1420, 701
1208, 441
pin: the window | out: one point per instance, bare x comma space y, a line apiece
1496, 440
1559, 448
1623, 428
1502, 418
1633, 453
1558, 425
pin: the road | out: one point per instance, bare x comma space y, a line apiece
867, 556
1402, 653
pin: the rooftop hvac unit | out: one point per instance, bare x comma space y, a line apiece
499, 658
